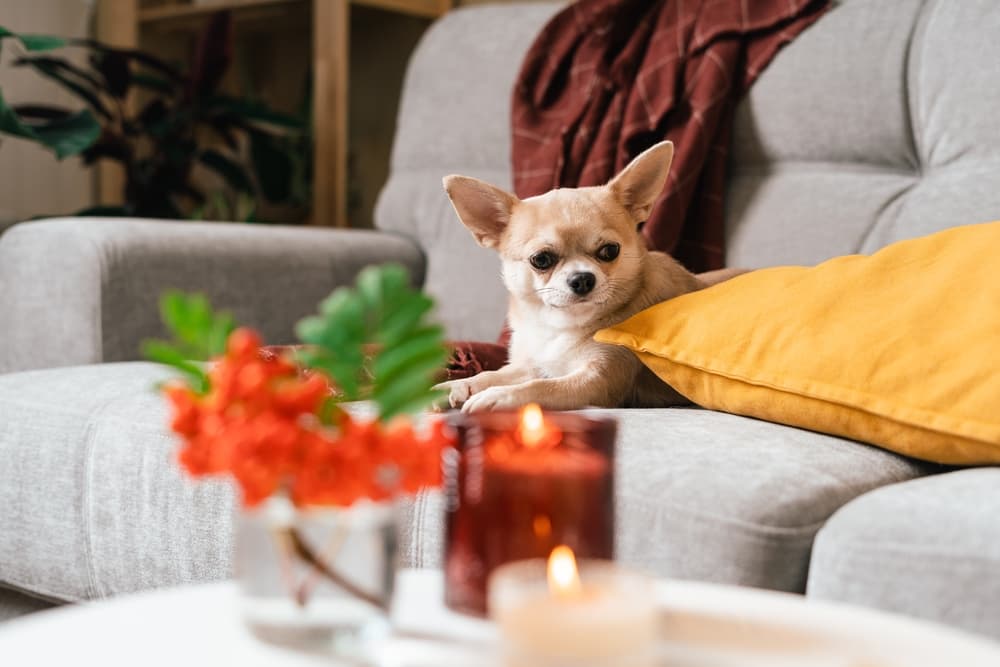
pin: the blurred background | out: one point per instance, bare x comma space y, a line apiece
264, 110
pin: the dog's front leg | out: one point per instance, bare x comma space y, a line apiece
581, 388
459, 391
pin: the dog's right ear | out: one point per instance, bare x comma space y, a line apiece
639, 184
483, 208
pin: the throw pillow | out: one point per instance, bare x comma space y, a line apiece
900, 349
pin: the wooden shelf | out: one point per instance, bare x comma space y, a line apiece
169, 13
174, 12
426, 8
321, 35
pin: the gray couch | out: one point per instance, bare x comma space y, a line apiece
879, 123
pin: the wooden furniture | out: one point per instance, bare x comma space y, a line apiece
140, 23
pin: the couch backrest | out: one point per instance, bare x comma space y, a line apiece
878, 123
454, 117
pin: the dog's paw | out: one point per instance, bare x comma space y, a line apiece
458, 391
494, 398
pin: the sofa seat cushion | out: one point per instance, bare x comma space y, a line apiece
92, 502
716, 497
928, 548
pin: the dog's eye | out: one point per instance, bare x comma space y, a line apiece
543, 260
608, 252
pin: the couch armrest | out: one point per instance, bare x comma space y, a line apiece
80, 291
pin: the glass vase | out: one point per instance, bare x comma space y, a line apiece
318, 580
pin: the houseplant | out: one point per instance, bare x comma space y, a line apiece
317, 473
161, 123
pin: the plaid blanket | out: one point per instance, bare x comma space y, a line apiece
606, 79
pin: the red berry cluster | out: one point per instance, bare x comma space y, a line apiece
260, 423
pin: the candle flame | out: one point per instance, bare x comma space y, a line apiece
532, 428
564, 579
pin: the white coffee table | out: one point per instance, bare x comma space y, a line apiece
703, 625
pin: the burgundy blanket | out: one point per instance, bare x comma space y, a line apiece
606, 79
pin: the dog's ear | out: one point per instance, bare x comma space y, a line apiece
640, 183
483, 208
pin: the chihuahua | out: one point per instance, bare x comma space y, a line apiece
574, 262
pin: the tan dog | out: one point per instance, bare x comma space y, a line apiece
574, 262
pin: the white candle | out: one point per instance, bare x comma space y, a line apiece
556, 615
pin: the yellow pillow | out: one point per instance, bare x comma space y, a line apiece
900, 349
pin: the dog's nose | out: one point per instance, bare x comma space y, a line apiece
582, 283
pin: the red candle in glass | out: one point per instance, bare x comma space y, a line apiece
520, 484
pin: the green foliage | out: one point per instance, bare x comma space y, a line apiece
65, 134
158, 144
375, 341
198, 334
34, 42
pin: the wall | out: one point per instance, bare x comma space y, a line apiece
32, 181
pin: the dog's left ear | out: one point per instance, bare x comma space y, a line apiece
483, 208
640, 183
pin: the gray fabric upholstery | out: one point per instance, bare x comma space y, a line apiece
454, 117
92, 502
78, 291
928, 548
715, 497
875, 125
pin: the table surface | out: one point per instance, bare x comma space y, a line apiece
703, 625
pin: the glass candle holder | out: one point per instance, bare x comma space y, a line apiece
519, 484
604, 617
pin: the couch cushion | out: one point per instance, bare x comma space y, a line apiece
91, 500
716, 497
454, 117
927, 548
836, 151
93, 504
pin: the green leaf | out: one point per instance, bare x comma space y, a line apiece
74, 79
198, 332
398, 323
415, 404
218, 332
425, 364
34, 42
65, 136
344, 372
406, 390
384, 312
164, 353
71, 136
420, 341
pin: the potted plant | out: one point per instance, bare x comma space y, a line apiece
184, 123
317, 471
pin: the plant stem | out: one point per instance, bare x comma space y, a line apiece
305, 552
